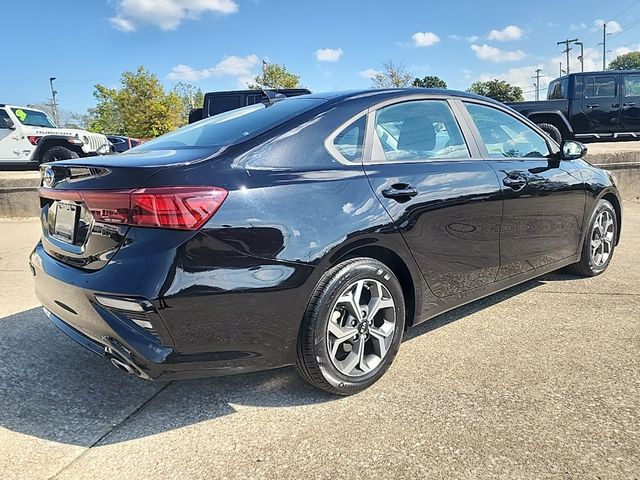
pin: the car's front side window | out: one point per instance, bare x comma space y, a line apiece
418, 130
632, 86
5, 121
506, 136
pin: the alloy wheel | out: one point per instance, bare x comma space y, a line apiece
602, 238
361, 327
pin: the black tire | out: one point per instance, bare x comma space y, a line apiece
588, 266
552, 131
314, 362
57, 153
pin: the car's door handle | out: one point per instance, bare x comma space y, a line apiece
400, 191
515, 182
625, 106
593, 105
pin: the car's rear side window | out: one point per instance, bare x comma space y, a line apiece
418, 130
600, 86
234, 126
350, 141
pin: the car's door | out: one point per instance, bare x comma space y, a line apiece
441, 195
8, 142
630, 109
544, 198
601, 102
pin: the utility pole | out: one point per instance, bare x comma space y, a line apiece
54, 105
581, 57
604, 46
537, 84
567, 49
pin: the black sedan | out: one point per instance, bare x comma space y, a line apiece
311, 231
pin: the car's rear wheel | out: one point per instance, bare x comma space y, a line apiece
599, 242
57, 153
352, 327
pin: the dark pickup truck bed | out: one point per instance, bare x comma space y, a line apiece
590, 105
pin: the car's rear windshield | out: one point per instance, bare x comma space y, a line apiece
233, 126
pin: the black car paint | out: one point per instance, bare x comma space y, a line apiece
229, 298
578, 116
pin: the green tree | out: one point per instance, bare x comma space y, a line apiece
430, 81
139, 108
190, 97
392, 76
628, 61
104, 117
498, 90
275, 76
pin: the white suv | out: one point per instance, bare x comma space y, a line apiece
28, 136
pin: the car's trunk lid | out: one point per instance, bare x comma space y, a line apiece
70, 232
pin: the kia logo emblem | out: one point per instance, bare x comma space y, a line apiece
48, 177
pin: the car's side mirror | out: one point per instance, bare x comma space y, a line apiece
7, 123
570, 150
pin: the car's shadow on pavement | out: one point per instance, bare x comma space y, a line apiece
53, 389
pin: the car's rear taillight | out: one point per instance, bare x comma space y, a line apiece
182, 208
33, 140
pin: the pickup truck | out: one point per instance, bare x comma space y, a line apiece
589, 105
219, 102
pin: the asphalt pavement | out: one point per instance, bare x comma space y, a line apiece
539, 381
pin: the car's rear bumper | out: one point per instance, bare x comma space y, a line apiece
70, 303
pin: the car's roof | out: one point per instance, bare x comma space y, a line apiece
389, 93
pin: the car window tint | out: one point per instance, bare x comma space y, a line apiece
4, 119
419, 130
632, 85
506, 136
600, 86
558, 89
223, 104
350, 140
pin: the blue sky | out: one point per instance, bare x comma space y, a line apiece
219, 44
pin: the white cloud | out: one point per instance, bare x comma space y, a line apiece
233, 66
425, 39
512, 32
470, 39
495, 55
612, 26
623, 51
577, 26
166, 14
328, 54
369, 73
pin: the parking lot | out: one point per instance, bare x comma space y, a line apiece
539, 381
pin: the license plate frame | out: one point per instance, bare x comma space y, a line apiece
64, 228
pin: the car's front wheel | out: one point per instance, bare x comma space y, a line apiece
56, 153
352, 328
599, 242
